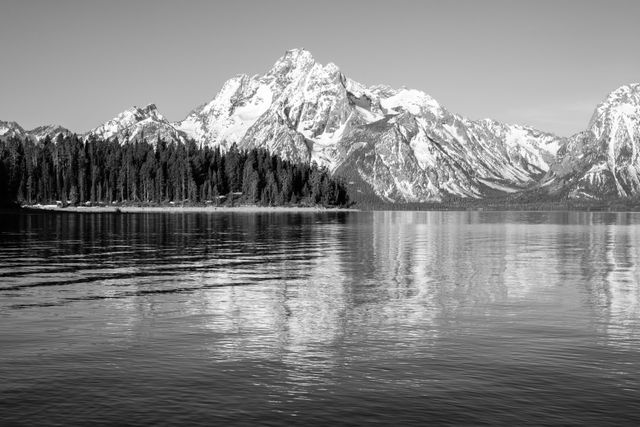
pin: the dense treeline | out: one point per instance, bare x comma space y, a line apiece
98, 171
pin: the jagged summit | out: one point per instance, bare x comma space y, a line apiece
142, 113
623, 101
296, 62
52, 131
14, 130
624, 94
148, 109
294, 57
10, 129
137, 123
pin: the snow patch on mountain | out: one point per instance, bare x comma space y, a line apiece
411, 100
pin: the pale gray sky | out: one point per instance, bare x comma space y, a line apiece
543, 63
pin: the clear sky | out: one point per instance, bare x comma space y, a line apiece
545, 63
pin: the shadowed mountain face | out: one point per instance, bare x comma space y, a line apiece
399, 145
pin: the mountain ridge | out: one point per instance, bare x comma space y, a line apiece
402, 143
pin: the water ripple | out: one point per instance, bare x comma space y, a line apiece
325, 318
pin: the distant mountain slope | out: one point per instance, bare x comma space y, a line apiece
14, 130
144, 124
52, 131
11, 130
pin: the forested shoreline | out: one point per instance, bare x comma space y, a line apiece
73, 171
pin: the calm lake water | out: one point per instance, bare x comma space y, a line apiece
327, 318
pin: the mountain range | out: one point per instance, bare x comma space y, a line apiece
399, 145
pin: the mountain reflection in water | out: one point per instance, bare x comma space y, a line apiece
328, 317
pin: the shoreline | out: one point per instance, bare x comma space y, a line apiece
545, 207
185, 209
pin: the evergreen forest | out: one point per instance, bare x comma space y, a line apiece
72, 171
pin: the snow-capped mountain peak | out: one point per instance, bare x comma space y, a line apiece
306, 111
292, 65
603, 161
621, 104
52, 131
137, 123
10, 129
14, 130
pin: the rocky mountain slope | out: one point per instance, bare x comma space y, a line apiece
604, 160
11, 130
144, 124
14, 130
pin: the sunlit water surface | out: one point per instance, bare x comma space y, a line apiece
327, 318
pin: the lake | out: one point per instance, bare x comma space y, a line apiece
320, 318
